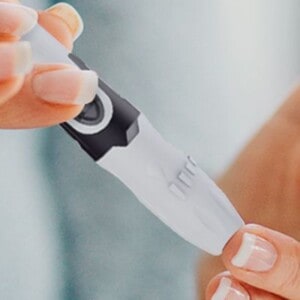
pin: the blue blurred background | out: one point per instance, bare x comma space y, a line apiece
208, 74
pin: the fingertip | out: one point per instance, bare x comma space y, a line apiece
70, 16
265, 259
65, 86
232, 245
16, 19
63, 22
223, 287
235, 242
57, 27
214, 284
250, 249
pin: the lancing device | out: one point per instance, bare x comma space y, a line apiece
121, 140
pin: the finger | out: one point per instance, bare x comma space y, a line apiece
15, 58
51, 94
47, 97
15, 20
15, 62
265, 259
63, 22
224, 286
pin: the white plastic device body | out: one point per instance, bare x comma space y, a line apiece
168, 182
173, 187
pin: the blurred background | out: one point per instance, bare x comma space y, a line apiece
208, 74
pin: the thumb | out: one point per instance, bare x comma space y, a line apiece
265, 259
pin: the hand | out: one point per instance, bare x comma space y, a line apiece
263, 184
261, 264
39, 95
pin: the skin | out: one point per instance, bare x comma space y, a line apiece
263, 182
19, 107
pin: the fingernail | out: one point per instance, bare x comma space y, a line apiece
226, 290
68, 86
70, 16
15, 59
255, 254
17, 19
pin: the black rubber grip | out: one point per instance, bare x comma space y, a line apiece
121, 130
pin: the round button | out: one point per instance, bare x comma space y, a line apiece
95, 116
92, 114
